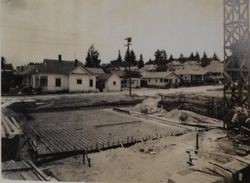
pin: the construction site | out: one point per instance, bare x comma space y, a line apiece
188, 134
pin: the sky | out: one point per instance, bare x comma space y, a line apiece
31, 30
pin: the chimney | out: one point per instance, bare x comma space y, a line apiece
76, 62
60, 57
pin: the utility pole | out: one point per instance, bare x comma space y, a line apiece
129, 40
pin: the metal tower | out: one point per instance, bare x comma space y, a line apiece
236, 54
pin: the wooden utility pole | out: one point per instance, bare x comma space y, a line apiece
129, 40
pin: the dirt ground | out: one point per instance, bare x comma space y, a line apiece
200, 90
216, 90
152, 161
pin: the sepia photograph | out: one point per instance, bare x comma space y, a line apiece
120, 91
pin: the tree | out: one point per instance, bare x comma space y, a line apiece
197, 57
204, 60
181, 58
88, 62
3, 63
160, 58
133, 58
132, 74
141, 62
215, 57
127, 57
171, 58
191, 57
118, 61
92, 59
119, 58
149, 62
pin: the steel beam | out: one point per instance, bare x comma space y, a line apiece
236, 55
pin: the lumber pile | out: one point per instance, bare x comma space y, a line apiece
22, 170
10, 127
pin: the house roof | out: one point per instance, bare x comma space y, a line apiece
7, 67
215, 67
63, 67
95, 70
52, 66
190, 72
105, 76
150, 67
158, 74
119, 73
29, 69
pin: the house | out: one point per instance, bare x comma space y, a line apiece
161, 79
148, 68
59, 75
191, 76
7, 76
194, 74
215, 72
135, 82
109, 83
122, 75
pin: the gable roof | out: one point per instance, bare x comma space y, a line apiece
158, 74
121, 74
106, 76
215, 67
190, 72
95, 70
51, 66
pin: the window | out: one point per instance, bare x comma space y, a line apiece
161, 80
91, 83
149, 80
166, 80
114, 83
156, 80
79, 81
58, 82
43, 81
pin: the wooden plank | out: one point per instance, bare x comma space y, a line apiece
3, 134
114, 124
38, 171
13, 119
26, 176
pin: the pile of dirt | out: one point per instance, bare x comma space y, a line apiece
149, 106
185, 116
179, 115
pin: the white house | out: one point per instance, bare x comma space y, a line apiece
135, 82
109, 83
161, 79
190, 76
215, 71
59, 75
